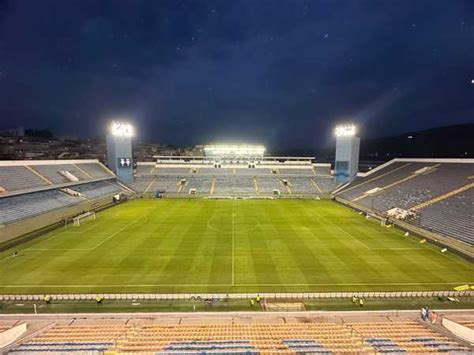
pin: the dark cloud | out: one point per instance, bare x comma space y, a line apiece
277, 72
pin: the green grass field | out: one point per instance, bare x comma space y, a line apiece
229, 246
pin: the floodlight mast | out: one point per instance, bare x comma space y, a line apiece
347, 153
122, 129
119, 150
345, 130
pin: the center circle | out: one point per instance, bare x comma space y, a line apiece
237, 223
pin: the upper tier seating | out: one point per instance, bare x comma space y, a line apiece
51, 172
33, 175
13, 178
95, 170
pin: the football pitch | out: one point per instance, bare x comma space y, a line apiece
228, 246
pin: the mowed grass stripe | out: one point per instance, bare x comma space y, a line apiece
229, 246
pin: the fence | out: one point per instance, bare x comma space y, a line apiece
197, 296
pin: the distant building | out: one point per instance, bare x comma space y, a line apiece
12, 132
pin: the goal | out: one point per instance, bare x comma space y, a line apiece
82, 218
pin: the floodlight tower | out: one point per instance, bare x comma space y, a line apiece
119, 150
347, 153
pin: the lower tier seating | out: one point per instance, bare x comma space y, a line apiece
453, 217
235, 185
19, 207
98, 189
404, 337
29, 205
252, 338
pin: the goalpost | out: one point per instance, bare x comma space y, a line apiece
82, 218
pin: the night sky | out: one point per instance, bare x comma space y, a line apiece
280, 73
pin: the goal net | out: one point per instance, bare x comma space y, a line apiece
82, 218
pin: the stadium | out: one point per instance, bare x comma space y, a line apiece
234, 229
236, 177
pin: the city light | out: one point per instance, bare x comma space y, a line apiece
237, 150
122, 129
345, 130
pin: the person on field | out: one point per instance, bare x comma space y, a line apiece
361, 302
258, 299
252, 302
423, 314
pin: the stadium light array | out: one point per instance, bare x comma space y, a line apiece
345, 130
242, 150
122, 129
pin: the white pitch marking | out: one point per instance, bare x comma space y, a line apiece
248, 285
233, 243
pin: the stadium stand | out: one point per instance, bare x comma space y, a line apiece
438, 191
232, 185
253, 171
267, 184
13, 178
325, 184
168, 183
98, 189
453, 217
37, 194
404, 337
95, 170
16, 176
28, 205
301, 185
52, 172
181, 171
202, 185
296, 171
235, 180
18, 207
251, 338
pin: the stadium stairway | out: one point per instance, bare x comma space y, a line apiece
38, 174
213, 186
443, 197
316, 186
255, 183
